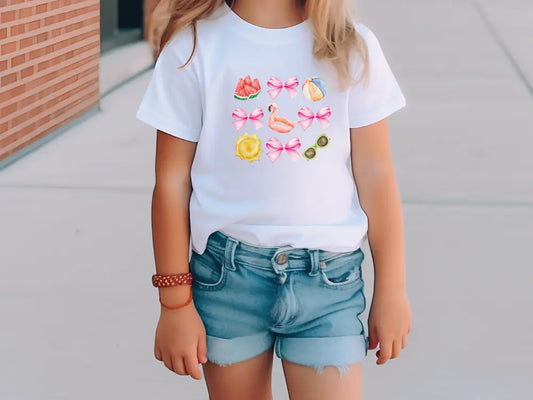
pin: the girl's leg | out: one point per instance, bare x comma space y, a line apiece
304, 383
249, 379
322, 346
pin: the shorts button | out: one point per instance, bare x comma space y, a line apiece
282, 258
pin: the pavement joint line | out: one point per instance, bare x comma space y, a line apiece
467, 203
410, 201
501, 43
61, 187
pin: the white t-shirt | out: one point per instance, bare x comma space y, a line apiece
273, 160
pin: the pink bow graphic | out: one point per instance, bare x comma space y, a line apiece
277, 86
308, 116
241, 117
274, 144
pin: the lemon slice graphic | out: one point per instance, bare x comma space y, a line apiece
248, 147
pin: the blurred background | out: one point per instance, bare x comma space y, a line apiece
77, 309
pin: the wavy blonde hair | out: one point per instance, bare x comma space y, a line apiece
332, 21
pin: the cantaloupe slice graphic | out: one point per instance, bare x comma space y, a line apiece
247, 89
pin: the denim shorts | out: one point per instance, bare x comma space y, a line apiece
304, 302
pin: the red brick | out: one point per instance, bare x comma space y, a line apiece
8, 48
8, 16
9, 78
16, 61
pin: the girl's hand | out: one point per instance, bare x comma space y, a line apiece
389, 323
180, 340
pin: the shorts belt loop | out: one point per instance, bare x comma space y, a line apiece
229, 253
315, 261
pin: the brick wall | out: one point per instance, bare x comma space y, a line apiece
49, 58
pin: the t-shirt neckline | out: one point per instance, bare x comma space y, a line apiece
288, 34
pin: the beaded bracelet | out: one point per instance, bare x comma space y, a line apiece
172, 280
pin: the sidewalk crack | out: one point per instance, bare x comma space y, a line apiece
503, 46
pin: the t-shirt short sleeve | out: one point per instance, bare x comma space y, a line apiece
172, 101
380, 95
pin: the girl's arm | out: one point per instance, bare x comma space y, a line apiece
372, 167
378, 195
170, 211
180, 340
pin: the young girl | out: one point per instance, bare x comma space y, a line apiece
267, 115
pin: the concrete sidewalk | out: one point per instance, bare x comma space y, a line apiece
76, 219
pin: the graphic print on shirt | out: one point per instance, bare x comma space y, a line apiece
314, 89
277, 86
247, 89
290, 147
308, 116
277, 122
248, 147
241, 117
321, 142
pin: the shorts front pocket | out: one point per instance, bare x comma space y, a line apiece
342, 271
208, 273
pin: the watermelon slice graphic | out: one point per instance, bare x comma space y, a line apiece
246, 89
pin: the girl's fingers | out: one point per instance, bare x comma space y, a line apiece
395, 348
404, 341
167, 360
191, 364
157, 354
385, 350
202, 349
372, 338
179, 368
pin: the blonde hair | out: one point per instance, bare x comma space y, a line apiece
334, 33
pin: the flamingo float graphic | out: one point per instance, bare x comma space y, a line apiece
277, 122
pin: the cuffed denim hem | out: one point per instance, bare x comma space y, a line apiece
338, 351
228, 351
